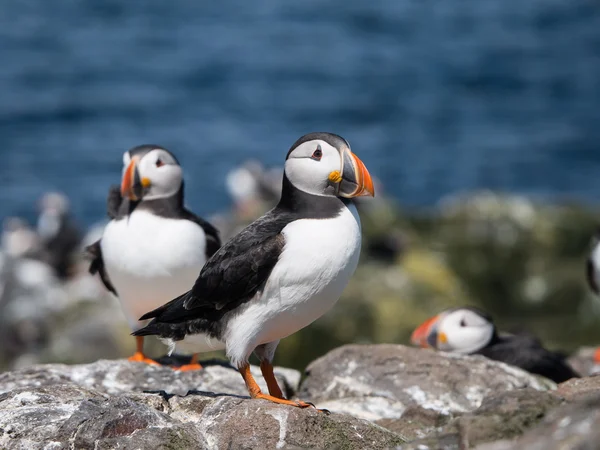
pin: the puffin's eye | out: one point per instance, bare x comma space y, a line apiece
317, 154
159, 163
463, 323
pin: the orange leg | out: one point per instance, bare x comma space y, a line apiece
255, 391
139, 354
193, 365
267, 371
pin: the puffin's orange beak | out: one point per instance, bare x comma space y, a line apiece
421, 334
131, 185
355, 180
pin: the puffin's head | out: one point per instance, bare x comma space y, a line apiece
150, 172
323, 164
460, 330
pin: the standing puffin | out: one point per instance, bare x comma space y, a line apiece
593, 274
281, 272
153, 248
471, 331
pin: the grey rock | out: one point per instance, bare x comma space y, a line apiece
122, 376
69, 416
579, 388
63, 416
504, 415
576, 426
383, 381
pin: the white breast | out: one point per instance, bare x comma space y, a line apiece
151, 260
315, 266
596, 263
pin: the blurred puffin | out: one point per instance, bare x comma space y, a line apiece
153, 248
471, 331
281, 272
593, 274
59, 234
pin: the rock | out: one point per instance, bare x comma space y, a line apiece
576, 426
504, 415
382, 381
65, 416
582, 361
579, 388
122, 376
408, 390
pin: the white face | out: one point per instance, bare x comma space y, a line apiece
463, 331
161, 175
310, 165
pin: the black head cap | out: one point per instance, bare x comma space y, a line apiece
332, 139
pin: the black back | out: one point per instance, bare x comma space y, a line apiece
119, 208
526, 351
239, 269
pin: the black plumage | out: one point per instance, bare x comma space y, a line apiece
591, 276
238, 270
526, 351
118, 208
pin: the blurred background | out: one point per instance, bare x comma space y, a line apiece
480, 121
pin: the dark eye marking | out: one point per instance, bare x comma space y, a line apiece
317, 154
159, 163
463, 323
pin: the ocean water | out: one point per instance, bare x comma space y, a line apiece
436, 97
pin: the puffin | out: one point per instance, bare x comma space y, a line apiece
593, 274
471, 331
59, 234
280, 273
153, 247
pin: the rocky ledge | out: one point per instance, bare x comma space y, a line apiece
380, 396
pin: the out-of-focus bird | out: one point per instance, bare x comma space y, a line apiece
59, 234
19, 240
253, 188
153, 248
280, 273
471, 331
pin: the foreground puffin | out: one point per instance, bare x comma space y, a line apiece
281, 272
153, 248
471, 331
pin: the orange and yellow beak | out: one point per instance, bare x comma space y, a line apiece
131, 185
354, 179
426, 335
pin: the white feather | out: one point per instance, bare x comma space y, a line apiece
151, 259
315, 266
595, 257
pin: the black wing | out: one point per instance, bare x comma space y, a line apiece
113, 202
528, 354
234, 274
94, 251
591, 276
213, 241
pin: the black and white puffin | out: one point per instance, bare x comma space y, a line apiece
280, 273
593, 274
471, 331
59, 234
153, 248
593, 264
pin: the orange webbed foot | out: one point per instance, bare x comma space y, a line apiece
283, 401
140, 357
188, 367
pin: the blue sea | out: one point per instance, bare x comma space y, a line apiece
436, 97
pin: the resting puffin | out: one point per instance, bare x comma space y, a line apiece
281, 272
471, 331
153, 248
